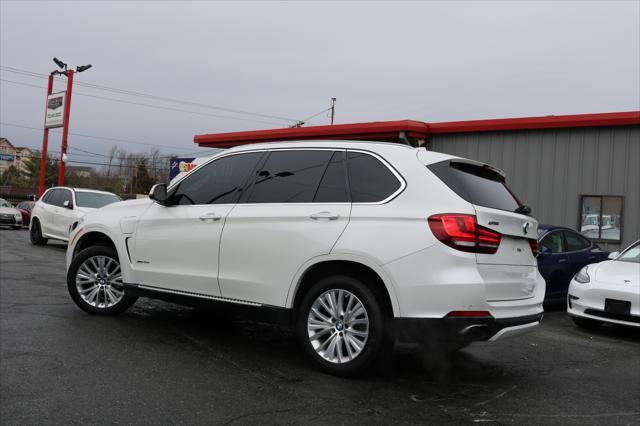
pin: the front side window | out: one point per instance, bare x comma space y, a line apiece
575, 241
218, 182
290, 176
601, 217
370, 180
65, 195
554, 242
95, 200
4, 203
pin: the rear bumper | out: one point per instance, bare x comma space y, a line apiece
463, 330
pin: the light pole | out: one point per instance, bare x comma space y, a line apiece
65, 129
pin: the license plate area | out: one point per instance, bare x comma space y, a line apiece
619, 307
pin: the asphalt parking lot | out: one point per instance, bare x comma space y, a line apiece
160, 363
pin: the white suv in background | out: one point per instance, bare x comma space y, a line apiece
355, 244
58, 208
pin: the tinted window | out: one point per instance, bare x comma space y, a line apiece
65, 195
53, 197
370, 180
575, 241
48, 196
333, 186
289, 177
554, 242
95, 200
478, 185
219, 182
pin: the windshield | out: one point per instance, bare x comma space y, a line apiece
95, 200
632, 254
4, 203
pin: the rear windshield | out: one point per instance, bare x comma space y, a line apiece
478, 185
95, 199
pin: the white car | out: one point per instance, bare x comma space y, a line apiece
60, 207
9, 215
354, 244
608, 291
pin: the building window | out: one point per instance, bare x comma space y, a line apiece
601, 217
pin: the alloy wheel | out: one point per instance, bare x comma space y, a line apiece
99, 282
338, 326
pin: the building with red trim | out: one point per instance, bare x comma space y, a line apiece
580, 171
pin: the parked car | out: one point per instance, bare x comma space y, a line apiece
563, 252
9, 215
607, 292
58, 208
25, 208
355, 244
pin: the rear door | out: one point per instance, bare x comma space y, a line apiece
47, 210
295, 209
496, 206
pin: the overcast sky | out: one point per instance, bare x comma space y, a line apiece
431, 61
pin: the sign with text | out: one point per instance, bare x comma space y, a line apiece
55, 110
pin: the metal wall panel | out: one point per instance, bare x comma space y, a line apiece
549, 169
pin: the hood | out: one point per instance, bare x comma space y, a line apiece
9, 210
617, 272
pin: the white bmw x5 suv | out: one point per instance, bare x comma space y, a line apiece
355, 244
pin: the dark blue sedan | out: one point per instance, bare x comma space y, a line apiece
563, 252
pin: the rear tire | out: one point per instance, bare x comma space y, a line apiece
587, 323
94, 281
15, 228
35, 234
340, 325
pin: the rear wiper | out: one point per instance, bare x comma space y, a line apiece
523, 209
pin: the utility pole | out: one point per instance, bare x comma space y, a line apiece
333, 109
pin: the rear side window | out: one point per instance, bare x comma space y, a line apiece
576, 241
218, 182
333, 186
476, 184
54, 197
370, 180
554, 242
49, 196
289, 177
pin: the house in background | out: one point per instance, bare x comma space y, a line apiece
13, 156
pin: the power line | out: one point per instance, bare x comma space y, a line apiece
75, 93
149, 96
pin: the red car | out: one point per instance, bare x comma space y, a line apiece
25, 208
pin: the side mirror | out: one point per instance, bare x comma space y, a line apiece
613, 255
68, 204
158, 193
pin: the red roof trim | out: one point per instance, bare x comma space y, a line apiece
388, 130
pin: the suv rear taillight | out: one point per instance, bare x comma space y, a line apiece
534, 247
462, 232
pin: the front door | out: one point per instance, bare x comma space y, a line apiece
554, 263
295, 210
176, 245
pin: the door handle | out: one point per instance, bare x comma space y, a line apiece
324, 215
562, 260
210, 216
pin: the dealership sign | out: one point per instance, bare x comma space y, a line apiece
55, 110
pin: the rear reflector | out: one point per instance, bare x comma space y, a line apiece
534, 247
467, 314
462, 232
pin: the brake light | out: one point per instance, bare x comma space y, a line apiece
462, 232
533, 243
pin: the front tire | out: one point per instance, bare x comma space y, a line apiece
94, 281
587, 323
35, 234
341, 326
15, 228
